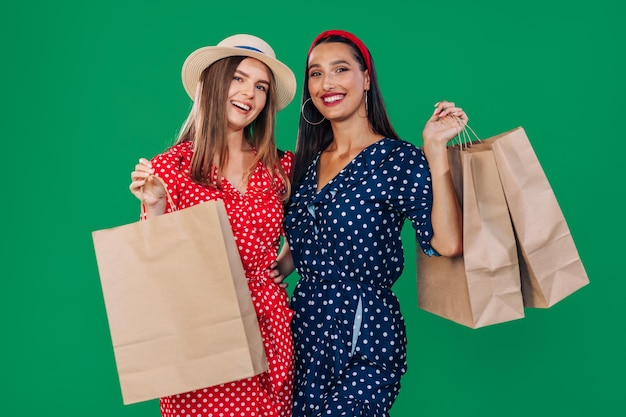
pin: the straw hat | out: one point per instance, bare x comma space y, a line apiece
236, 45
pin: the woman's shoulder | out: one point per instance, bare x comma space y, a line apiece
175, 156
286, 159
285, 155
390, 148
400, 145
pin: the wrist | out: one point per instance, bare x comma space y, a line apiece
155, 209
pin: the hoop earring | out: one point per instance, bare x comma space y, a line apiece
304, 117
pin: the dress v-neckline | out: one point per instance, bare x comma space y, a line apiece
319, 190
245, 189
230, 183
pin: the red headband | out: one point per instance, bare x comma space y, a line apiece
349, 36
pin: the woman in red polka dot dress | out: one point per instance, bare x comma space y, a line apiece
226, 151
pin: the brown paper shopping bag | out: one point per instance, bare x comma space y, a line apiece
179, 309
550, 264
481, 287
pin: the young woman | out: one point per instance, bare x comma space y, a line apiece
226, 151
354, 184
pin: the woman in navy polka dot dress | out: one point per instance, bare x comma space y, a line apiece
355, 183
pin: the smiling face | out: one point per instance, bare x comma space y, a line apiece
247, 94
336, 82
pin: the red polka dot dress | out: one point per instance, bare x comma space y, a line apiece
256, 217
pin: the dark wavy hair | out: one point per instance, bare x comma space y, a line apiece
315, 138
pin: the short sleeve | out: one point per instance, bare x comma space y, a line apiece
169, 167
409, 190
286, 162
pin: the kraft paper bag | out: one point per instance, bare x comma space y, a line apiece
179, 309
481, 287
550, 264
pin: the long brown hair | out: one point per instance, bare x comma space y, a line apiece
207, 121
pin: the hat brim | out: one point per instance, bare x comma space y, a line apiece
202, 58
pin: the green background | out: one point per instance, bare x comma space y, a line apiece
88, 87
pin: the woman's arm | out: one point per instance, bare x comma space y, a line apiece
447, 219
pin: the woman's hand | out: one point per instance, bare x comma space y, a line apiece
147, 188
282, 266
277, 276
445, 123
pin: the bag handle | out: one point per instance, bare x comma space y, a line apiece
464, 138
167, 195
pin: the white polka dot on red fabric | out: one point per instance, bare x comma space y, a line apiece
256, 217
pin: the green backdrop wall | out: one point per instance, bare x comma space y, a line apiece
88, 87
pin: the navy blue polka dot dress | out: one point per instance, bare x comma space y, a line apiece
349, 333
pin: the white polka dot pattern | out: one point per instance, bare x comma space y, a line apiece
256, 217
349, 333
